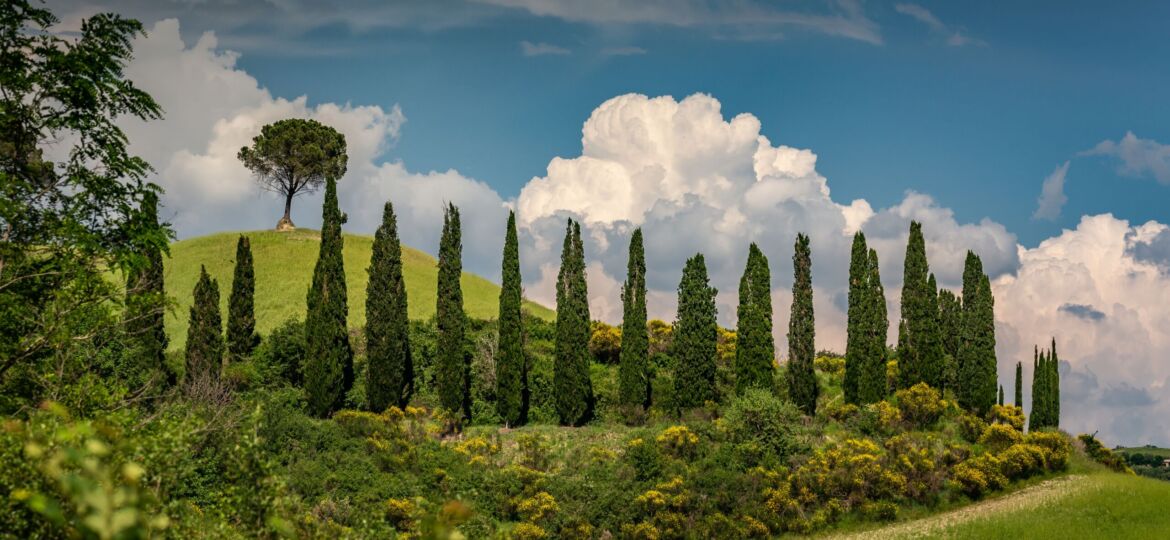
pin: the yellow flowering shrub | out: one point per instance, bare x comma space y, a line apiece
1056, 448
678, 441
851, 472
539, 507
478, 450
979, 475
833, 365
889, 417
640, 531
666, 506
921, 405
921, 460
1007, 414
1023, 460
401, 513
999, 437
527, 531
971, 427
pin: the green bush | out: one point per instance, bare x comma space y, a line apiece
971, 427
645, 459
999, 437
921, 405
279, 357
761, 419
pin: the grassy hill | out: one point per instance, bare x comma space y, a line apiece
1148, 450
284, 269
1089, 501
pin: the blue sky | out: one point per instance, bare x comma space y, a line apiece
712, 124
978, 126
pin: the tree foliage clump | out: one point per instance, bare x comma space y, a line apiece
803, 389
634, 371
452, 365
865, 347
328, 370
920, 348
241, 330
696, 333
755, 348
205, 331
390, 368
65, 224
146, 302
977, 381
295, 156
1045, 390
511, 372
574, 389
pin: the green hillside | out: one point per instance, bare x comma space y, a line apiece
284, 268
1149, 450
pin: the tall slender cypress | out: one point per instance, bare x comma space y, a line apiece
802, 379
634, 380
977, 363
241, 327
873, 385
695, 336
950, 315
205, 331
1019, 395
755, 347
511, 375
857, 346
920, 349
574, 389
452, 368
1000, 395
329, 357
390, 366
146, 307
1054, 386
988, 364
1036, 417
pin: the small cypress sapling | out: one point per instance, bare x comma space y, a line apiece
802, 379
634, 373
1001, 395
1019, 395
328, 370
755, 346
204, 331
241, 331
1054, 386
696, 336
389, 364
451, 366
511, 376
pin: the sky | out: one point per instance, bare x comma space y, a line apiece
1035, 134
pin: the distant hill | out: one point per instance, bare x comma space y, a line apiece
284, 269
1148, 450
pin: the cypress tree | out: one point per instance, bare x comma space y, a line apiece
950, 314
574, 390
695, 336
989, 369
858, 336
241, 328
920, 348
873, 385
451, 364
802, 378
755, 347
390, 367
511, 375
205, 331
977, 363
1054, 386
634, 383
1036, 416
1019, 396
328, 355
1001, 395
146, 307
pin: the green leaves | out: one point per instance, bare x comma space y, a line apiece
802, 379
574, 389
695, 337
390, 370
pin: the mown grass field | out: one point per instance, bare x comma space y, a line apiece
284, 269
1088, 502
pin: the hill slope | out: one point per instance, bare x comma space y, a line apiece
284, 269
1093, 502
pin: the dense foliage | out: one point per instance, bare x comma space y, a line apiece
1045, 390
389, 370
204, 351
635, 389
452, 366
803, 388
920, 348
241, 325
695, 337
976, 384
755, 348
328, 370
511, 370
574, 389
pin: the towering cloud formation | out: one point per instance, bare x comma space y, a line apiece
695, 181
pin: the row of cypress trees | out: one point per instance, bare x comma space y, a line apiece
1045, 389
207, 350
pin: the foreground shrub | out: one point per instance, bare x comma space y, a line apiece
1056, 448
644, 458
1007, 414
998, 437
759, 421
850, 472
921, 405
979, 475
279, 357
1094, 449
971, 427
1022, 461
678, 441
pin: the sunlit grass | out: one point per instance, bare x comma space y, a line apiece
284, 269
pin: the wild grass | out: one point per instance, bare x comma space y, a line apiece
284, 270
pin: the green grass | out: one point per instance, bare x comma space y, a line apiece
284, 269
1148, 450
